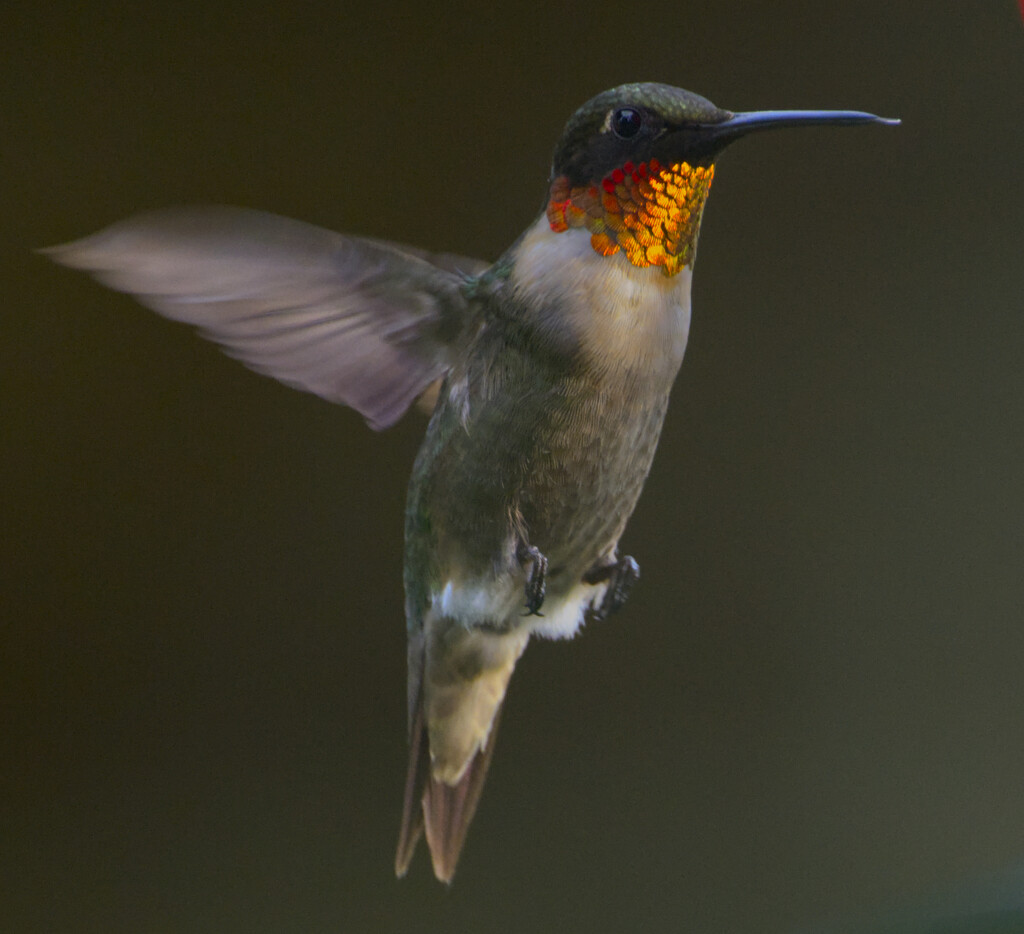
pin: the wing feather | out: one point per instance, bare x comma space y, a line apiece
362, 322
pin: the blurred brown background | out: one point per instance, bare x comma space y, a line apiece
812, 705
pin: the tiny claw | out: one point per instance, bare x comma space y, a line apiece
621, 577
536, 583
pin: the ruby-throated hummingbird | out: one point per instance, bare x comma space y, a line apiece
552, 369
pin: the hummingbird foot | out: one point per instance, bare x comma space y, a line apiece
536, 583
621, 576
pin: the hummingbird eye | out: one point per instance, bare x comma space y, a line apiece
626, 122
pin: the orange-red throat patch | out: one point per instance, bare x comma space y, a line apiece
649, 211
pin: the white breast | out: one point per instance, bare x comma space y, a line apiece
626, 315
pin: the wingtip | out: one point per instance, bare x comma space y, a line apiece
402, 861
52, 252
406, 849
408, 839
412, 810
75, 254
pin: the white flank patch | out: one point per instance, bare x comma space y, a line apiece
563, 619
502, 604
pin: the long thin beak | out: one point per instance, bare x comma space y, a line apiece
740, 124
768, 118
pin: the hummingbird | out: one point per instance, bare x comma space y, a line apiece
547, 373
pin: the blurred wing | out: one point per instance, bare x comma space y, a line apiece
361, 322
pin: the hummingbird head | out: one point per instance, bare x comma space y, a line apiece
634, 167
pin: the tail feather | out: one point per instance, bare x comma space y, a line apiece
449, 809
458, 676
443, 811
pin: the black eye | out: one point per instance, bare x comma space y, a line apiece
626, 122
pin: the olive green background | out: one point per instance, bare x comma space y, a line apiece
812, 707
